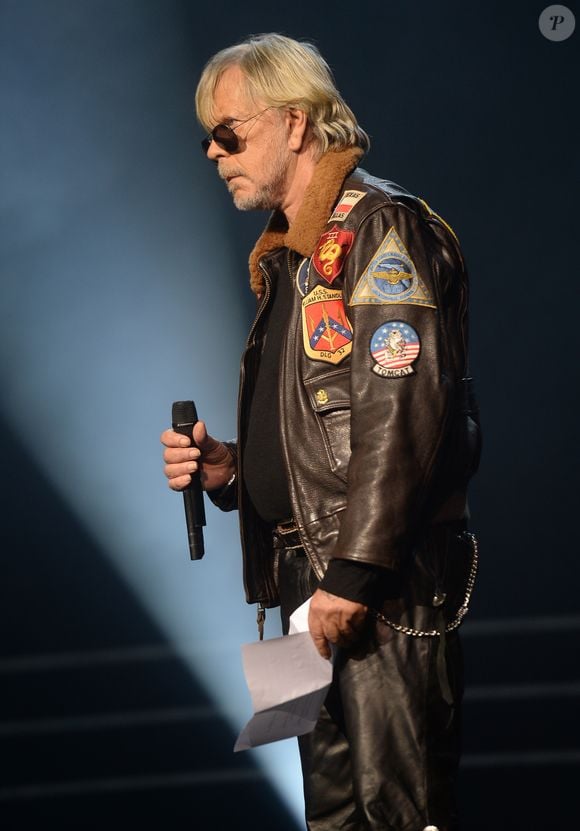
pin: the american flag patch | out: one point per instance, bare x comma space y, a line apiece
394, 346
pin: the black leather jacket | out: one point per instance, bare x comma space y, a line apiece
378, 427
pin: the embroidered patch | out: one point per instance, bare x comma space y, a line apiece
394, 346
326, 330
345, 204
331, 249
391, 277
302, 276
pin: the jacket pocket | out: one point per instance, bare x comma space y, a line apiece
329, 396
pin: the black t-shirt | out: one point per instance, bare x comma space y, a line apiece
263, 463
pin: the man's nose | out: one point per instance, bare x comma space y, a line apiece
215, 152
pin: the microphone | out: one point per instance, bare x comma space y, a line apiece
183, 417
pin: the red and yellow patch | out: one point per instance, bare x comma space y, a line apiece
326, 330
332, 248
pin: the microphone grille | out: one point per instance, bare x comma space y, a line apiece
183, 412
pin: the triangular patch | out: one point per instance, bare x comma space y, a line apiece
391, 278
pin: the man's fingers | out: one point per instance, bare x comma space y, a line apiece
185, 469
318, 635
321, 644
341, 637
334, 620
172, 439
178, 483
357, 621
180, 455
185, 456
335, 636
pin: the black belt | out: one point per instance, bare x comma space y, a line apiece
286, 535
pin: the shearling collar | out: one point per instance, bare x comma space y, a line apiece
319, 199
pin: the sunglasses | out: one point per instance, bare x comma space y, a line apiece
225, 137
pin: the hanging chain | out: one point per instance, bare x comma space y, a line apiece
461, 612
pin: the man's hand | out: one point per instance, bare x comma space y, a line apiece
334, 619
210, 455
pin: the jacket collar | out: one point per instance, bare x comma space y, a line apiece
319, 199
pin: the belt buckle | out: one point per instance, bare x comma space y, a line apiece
286, 527
287, 536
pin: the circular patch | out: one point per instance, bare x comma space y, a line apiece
394, 347
302, 277
393, 278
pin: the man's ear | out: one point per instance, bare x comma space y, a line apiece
297, 124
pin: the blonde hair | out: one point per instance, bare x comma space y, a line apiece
283, 72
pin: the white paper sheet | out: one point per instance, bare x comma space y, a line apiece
299, 618
288, 680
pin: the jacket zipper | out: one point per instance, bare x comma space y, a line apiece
283, 376
249, 344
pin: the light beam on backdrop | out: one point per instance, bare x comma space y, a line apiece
119, 296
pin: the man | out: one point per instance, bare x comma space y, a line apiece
357, 434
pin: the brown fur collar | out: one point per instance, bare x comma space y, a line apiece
319, 199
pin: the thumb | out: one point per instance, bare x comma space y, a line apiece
200, 435
212, 450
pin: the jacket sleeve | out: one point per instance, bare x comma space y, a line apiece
396, 281
226, 498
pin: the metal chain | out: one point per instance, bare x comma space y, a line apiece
461, 612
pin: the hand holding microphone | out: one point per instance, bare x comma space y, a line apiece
194, 461
184, 418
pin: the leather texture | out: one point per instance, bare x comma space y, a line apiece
378, 468
377, 461
385, 751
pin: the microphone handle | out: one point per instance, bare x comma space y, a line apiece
184, 417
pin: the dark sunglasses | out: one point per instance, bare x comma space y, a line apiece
225, 136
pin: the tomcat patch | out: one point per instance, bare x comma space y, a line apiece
394, 347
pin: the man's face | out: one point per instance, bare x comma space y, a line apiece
256, 174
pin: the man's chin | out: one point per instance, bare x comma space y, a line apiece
252, 198
243, 203
248, 202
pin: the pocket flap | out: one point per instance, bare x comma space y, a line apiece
330, 391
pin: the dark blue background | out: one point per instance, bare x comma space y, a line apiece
471, 108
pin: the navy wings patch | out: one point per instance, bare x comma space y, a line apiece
391, 277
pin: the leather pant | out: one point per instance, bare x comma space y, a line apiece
385, 750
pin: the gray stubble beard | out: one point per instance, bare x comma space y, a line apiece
270, 195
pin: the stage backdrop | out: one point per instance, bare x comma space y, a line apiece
124, 287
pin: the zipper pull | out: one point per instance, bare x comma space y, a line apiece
260, 620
